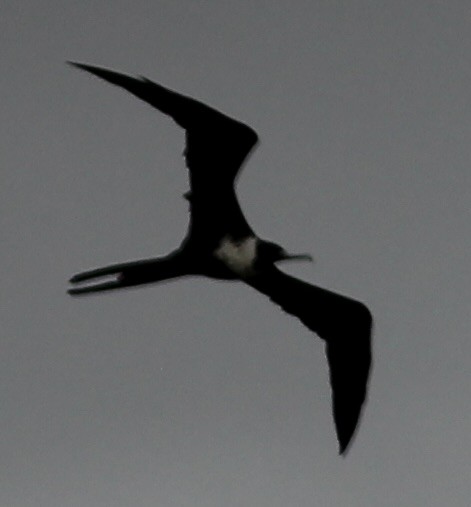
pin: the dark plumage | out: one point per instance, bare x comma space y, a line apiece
221, 244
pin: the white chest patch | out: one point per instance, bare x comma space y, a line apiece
238, 256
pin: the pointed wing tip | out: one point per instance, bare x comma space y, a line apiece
344, 447
347, 427
346, 440
78, 65
350, 381
93, 69
102, 72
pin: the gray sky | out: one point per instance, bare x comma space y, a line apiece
204, 394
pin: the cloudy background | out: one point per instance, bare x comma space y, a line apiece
204, 394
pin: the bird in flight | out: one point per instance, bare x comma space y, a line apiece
221, 244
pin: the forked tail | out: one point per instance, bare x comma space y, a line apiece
130, 274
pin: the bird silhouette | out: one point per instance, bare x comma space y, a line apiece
220, 244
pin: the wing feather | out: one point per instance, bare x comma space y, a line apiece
215, 142
346, 327
216, 147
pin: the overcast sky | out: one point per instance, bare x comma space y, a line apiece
200, 393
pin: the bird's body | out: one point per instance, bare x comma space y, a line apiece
220, 244
238, 256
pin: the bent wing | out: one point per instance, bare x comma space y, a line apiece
216, 145
345, 325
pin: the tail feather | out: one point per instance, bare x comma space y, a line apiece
129, 274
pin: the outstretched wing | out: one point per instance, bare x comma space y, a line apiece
345, 325
216, 145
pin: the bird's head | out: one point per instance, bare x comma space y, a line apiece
269, 253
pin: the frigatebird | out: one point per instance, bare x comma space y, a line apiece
220, 244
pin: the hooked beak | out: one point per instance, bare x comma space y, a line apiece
297, 257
